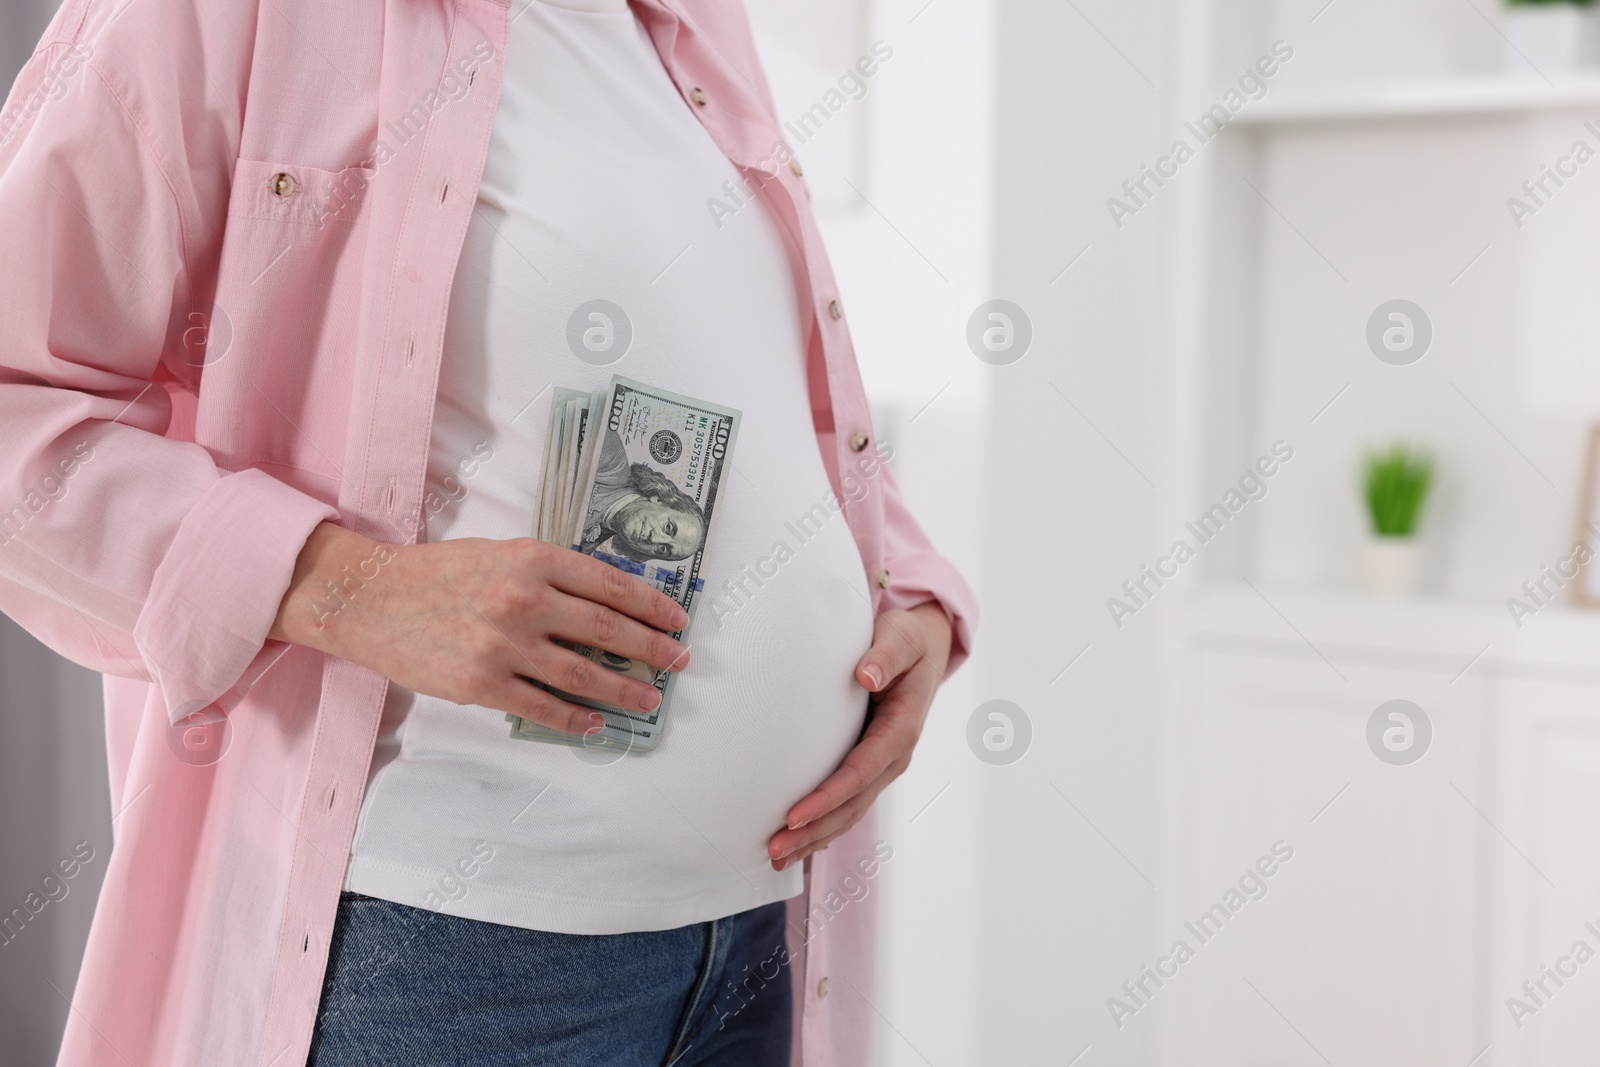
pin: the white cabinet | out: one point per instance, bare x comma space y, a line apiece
1419, 896
1548, 888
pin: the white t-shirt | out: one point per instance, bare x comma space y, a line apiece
595, 188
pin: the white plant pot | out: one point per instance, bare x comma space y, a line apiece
1394, 566
1556, 39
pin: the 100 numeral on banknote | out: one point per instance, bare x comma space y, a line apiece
650, 470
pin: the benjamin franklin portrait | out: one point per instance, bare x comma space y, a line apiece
636, 512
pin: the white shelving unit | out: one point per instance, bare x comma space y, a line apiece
1424, 100
1420, 897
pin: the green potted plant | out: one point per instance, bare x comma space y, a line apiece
1551, 38
1395, 484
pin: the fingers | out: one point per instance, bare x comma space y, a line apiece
574, 674
788, 847
584, 576
800, 855
788, 856
891, 655
590, 623
888, 738
521, 697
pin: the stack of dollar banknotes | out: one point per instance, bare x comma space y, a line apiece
632, 475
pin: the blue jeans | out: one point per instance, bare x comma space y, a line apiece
409, 987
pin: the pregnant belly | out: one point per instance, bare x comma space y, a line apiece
765, 711
768, 706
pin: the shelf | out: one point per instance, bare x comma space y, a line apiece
1443, 634
1455, 97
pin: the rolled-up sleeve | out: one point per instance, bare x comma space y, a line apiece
918, 573
128, 551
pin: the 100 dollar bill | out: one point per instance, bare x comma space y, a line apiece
653, 466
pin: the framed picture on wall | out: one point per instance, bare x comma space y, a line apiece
1586, 590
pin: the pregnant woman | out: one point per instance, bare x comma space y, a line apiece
290, 287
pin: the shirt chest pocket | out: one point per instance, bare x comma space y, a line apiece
289, 298
294, 236
291, 192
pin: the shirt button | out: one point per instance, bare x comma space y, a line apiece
822, 987
794, 165
883, 579
281, 184
835, 310
858, 441
698, 95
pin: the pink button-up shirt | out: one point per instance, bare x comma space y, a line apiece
227, 238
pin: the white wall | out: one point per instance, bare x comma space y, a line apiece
1069, 508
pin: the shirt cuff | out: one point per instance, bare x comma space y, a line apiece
959, 606
214, 597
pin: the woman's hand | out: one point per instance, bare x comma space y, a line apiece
473, 620
903, 668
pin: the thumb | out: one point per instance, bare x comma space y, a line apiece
891, 655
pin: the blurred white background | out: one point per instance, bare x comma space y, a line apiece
1220, 719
